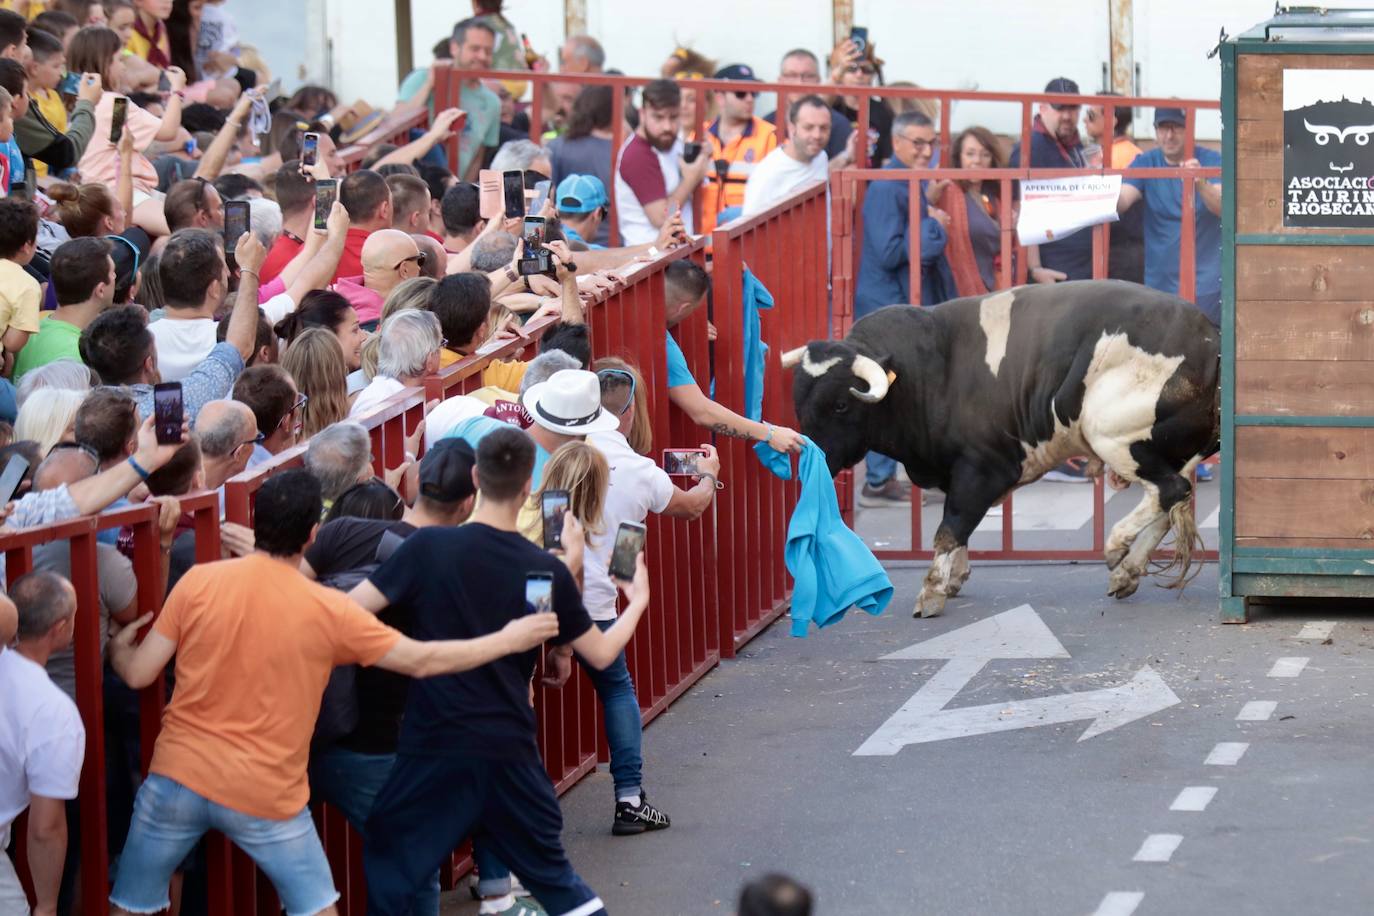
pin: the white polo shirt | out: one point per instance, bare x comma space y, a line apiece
638, 487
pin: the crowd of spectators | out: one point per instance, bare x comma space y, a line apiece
404, 593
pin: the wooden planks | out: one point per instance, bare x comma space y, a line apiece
1269, 507
1305, 452
1338, 389
1268, 329
1304, 274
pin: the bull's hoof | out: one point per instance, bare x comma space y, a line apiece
953, 589
1115, 556
1122, 583
929, 604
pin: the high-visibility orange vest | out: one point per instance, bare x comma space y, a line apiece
744, 153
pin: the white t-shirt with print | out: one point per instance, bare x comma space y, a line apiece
638, 487
42, 740
778, 176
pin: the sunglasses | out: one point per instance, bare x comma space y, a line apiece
743, 94
419, 260
616, 378
865, 69
256, 440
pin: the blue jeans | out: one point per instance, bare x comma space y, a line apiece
879, 469
168, 820
350, 782
624, 735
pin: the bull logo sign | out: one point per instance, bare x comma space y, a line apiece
1328, 148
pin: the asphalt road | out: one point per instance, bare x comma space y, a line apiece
756, 765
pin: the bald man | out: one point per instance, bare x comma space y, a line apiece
389, 257
227, 431
436, 259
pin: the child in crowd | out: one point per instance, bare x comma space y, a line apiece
46, 69
19, 292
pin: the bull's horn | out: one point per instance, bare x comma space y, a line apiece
792, 358
875, 377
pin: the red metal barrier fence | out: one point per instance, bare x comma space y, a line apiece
698, 612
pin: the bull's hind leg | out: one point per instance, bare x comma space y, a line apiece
1168, 491
973, 489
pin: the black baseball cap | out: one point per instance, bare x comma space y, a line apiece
737, 72
1062, 84
1170, 116
446, 471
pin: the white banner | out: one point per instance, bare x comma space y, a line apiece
1053, 208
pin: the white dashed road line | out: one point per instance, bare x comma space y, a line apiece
1256, 711
1158, 847
1194, 798
1288, 667
1317, 629
1227, 753
1119, 903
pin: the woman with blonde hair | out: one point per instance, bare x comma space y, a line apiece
49, 417
581, 470
316, 363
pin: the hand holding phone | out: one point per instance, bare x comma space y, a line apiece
326, 192
682, 462
629, 544
167, 412
118, 114
513, 193
310, 148
236, 222
553, 508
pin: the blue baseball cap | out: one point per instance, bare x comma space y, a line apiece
580, 194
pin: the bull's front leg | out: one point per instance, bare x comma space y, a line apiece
973, 489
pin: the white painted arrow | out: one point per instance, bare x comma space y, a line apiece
1018, 633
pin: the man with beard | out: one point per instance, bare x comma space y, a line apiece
1055, 145
1164, 214
798, 162
652, 180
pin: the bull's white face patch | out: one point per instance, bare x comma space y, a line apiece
994, 315
816, 370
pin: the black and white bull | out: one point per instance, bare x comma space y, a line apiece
982, 395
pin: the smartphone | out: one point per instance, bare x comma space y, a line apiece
69, 84
629, 544
326, 192
534, 234
513, 193
163, 83
681, 462
167, 412
859, 35
553, 505
489, 194
236, 220
538, 592
12, 477
310, 148
541, 194
117, 116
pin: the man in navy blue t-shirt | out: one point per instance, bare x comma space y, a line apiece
468, 761
1164, 214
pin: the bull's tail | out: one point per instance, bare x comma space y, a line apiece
1183, 526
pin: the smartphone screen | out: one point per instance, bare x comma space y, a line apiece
513, 193
538, 592
310, 148
12, 477
326, 192
534, 234
553, 506
117, 116
235, 223
541, 194
489, 204
167, 412
681, 462
629, 544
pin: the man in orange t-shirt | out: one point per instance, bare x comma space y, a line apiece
255, 642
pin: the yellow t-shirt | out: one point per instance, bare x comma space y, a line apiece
49, 102
255, 643
139, 45
504, 373
19, 298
